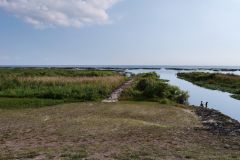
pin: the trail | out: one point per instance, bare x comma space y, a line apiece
116, 94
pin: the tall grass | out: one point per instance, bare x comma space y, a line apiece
86, 89
64, 80
52, 72
58, 84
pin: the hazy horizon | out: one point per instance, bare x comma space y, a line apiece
118, 65
120, 32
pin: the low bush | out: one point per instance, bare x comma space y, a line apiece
149, 86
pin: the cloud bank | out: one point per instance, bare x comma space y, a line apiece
66, 13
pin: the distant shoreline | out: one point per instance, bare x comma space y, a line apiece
130, 67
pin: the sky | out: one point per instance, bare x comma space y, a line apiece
120, 32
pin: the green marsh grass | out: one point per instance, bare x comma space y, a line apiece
56, 85
215, 81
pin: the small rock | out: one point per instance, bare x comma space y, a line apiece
227, 146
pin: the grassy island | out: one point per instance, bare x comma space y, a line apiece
216, 81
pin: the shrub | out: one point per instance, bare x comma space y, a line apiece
149, 87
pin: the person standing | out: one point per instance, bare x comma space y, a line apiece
206, 105
201, 105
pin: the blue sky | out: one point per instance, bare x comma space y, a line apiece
121, 32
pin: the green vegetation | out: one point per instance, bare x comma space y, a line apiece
216, 81
39, 87
17, 103
149, 87
121, 131
21, 88
94, 130
53, 72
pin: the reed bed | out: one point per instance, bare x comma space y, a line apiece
216, 81
81, 80
53, 72
59, 85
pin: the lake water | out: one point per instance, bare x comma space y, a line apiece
218, 100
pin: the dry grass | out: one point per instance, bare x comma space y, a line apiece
229, 77
126, 130
108, 79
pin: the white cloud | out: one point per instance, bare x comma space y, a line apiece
67, 13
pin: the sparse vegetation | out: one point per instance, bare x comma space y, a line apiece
121, 131
216, 81
149, 87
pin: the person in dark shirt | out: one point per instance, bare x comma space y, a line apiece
206, 105
201, 105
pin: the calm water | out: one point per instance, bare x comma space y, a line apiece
218, 100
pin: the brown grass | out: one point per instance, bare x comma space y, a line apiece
109, 79
126, 130
228, 77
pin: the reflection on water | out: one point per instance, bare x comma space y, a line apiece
218, 100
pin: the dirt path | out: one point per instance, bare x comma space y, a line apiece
116, 94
